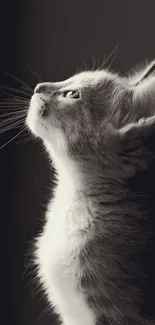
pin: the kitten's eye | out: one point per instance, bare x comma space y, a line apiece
72, 94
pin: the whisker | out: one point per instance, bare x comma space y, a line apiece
105, 60
25, 89
93, 61
12, 109
98, 59
11, 120
13, 103
28, 138
13, 106
115, 53
4, 145
18, 91
85, 65
17, 98
34, 73
45, 310
12, 117
19, 80
13, 113
10, 126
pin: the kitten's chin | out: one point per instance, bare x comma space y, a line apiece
52, 137
38, 127
37, 117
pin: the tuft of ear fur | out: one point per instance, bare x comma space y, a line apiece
141, 73
142, 85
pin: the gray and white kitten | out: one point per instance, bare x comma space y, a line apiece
96, 251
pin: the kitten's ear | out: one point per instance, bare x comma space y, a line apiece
143, 126
142, 111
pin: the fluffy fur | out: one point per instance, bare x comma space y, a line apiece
96, 251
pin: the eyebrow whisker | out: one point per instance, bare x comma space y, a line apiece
34, 73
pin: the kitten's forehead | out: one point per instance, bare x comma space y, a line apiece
87, 78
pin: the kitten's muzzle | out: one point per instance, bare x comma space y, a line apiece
44, 88
44, 91
41, 104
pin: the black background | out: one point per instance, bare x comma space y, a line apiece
55, 38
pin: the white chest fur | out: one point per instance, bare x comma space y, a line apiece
65, 233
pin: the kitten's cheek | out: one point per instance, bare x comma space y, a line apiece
31, 123
34, 107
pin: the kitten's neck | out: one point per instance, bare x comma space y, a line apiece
67, 170
98, 176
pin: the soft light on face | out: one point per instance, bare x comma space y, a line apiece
77, 111
50, 98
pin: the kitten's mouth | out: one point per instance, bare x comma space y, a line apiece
44, 110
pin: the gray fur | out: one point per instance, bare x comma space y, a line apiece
117, 169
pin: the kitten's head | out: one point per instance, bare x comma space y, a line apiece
81, 114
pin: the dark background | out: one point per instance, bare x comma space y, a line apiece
55, 38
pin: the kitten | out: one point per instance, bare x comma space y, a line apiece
95, 252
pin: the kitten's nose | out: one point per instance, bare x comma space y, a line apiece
45, 87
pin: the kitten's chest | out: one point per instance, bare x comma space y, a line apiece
65, 234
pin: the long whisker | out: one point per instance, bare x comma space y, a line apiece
19, 80
28, 138
11, 127
12, 108
45, 310
11, 119
4, 145
17, 91
105, 61
114, 56
85, 65
98, 59
14, 113
14, 103
34, 73
10, 124
93, 60
17, 98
